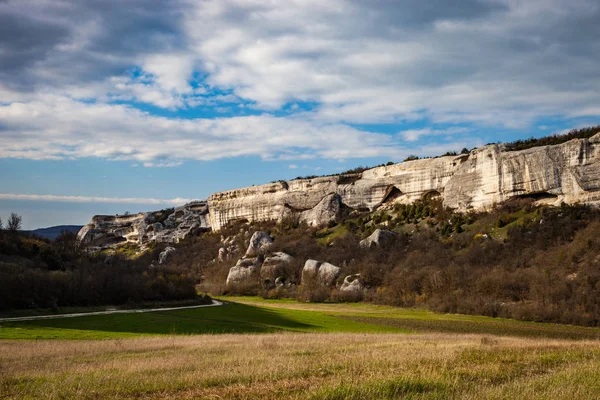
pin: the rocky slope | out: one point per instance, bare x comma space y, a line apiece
166, 226
568, 172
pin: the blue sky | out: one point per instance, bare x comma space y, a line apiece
111, 106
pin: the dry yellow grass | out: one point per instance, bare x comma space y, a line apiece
273, 366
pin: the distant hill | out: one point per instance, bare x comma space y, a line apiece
53, 231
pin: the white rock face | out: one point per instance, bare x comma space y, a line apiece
165, 226
327, 210
259, 244
164, 256
272, 267
240, 275
321, 272
381, 237
568, 172
245, 272
352, 284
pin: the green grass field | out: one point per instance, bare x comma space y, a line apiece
255, 315
270, 349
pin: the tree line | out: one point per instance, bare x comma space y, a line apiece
41, 273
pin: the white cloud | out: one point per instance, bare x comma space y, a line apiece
480, 63
412, 135
55, 127
87, 199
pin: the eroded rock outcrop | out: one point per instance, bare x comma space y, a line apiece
164, 256
352, 284
245, 273
568, 172
164, 226
274, 267
259, 244
329, 209
322, 273
380, 237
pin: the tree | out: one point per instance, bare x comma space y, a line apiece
464, 151
14, 222
1, 226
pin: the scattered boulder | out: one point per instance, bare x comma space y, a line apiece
328, 210
273, 266
278, 258
352, 284
259, 244
241, 275
245, 272
381, 237
223, 254
164, 256
323, 273
311, 267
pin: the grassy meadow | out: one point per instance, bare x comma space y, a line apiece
266, 349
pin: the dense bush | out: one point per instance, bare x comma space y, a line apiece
37, 273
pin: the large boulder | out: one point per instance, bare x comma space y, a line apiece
273, 266
352, 284
245, 272
259, 244
328, 210
381, 237
164, 256
323, 273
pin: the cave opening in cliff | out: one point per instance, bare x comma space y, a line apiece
391, 194
537, 196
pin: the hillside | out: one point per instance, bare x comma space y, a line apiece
53, 232
567, 172
387, 235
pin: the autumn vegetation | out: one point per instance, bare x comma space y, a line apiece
37, 273
519, 261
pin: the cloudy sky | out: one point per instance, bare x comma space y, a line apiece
109, 106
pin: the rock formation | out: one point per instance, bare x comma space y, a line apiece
259, 243
323, 273
164, 256
352, 284
246, 272
257, 264
380, 237
568, 172
273, 267
164, 226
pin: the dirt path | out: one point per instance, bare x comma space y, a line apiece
74, 315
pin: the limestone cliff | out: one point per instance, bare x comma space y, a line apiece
568, 172
165, 226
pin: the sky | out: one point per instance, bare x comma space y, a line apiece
109, 106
